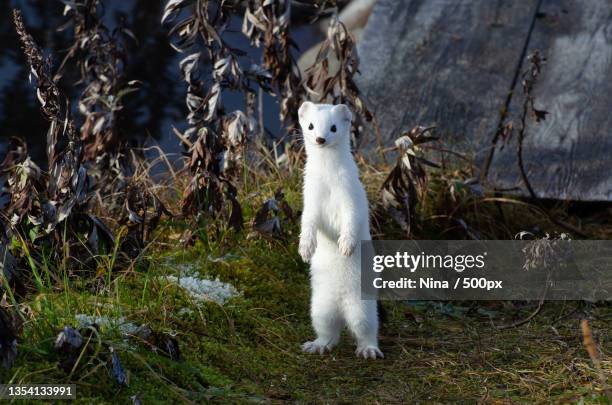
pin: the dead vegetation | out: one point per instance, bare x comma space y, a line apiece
338, 86
100, 55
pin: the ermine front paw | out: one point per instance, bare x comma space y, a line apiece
307, 249
346, 245
369, 352
315, 347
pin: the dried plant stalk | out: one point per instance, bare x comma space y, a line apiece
41, 202
407, 181
339, 86
591, 347
215, 139
53, 106
100, 55
67, 181
267, 23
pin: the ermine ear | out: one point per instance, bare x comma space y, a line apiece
304, 108
342, 111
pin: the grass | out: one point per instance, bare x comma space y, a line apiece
248, 349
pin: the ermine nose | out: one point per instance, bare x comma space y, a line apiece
320, 141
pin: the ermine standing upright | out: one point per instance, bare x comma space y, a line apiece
334, 221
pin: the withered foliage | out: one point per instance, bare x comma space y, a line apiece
117, 368
267, 24
272, 217
39, 201
101, 56
548, 253
214, 139
158, 342
71, 347
68, 344
53, 105
53, 211
407, 181
530, 77
338, 85
544, 254
144, 211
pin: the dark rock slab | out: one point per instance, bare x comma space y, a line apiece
569, 155
449, 63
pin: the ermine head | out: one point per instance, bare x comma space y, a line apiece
325, 125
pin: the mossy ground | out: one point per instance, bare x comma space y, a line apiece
248, 349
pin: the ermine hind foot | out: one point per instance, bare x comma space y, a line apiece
317, 346
369, 352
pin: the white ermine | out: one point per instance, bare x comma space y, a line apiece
334, 222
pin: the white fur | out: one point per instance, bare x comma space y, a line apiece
334, 221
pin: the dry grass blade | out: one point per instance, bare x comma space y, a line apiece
591, 348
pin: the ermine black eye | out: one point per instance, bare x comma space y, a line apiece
311, 127
333, 128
